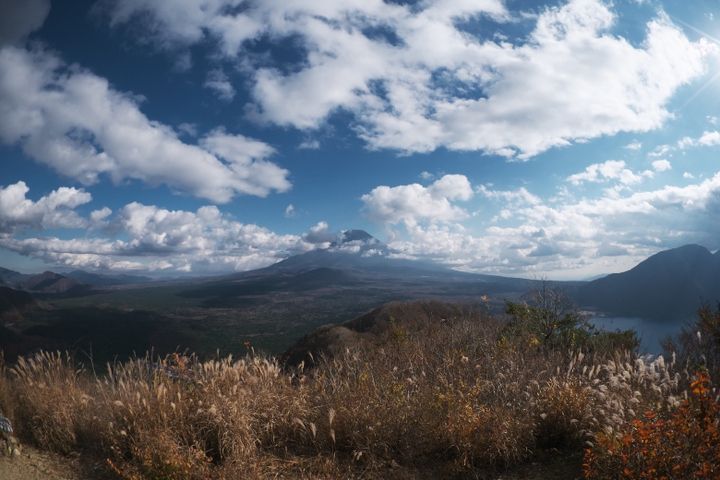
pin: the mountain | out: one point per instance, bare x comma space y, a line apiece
49, 282
14, 303
99, 279
359, 252
11, 277
669, 284
356, 236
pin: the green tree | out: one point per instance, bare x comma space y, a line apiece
546, 316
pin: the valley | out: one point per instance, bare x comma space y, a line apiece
270, 309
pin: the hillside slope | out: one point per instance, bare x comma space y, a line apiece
672, 283
50, 282
373, 327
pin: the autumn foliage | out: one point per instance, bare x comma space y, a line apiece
664, 445
466, 397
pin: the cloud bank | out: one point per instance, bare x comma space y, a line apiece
153, 238
556, 237
418, 77
79, 125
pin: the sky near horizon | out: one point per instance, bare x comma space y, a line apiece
190, 137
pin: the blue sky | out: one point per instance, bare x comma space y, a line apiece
193, 137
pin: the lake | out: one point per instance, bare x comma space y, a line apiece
650, 331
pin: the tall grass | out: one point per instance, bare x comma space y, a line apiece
455, 399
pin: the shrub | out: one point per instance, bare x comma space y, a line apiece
159, 456
698, 343
547, 318
684, 444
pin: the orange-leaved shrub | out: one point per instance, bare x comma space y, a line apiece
665, 444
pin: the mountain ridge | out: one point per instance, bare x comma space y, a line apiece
668, 284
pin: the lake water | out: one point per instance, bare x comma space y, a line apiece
650, 331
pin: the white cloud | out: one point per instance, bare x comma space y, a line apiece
309, 144
708, 139
290, 211
204, 241
712, 120
610, 250
320, 234
685, 143
408, 89
688, 175
562, 238
635, 145
514, 198
54, 210
217, 80
661, 165
413, 203
610, 233
602, 172
75, 122
660, 150
19, 18
245, 161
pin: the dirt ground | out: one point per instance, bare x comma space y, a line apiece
36, 465
33, 464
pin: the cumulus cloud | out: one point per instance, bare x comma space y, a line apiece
708, 139
19, 18
610, 170
75, 122
54, 210
661, 165
562, 237
416, 81
319, 234
613, 232
290, 211
414, 203
142, 237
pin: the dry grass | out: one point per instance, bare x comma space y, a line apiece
452, 399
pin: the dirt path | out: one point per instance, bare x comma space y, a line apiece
35, 465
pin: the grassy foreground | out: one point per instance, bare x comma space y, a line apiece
462, 399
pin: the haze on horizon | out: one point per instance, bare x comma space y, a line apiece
174, 137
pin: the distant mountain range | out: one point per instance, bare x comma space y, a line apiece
669, 284
51, 282
358, 252
99, 279
11, 277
